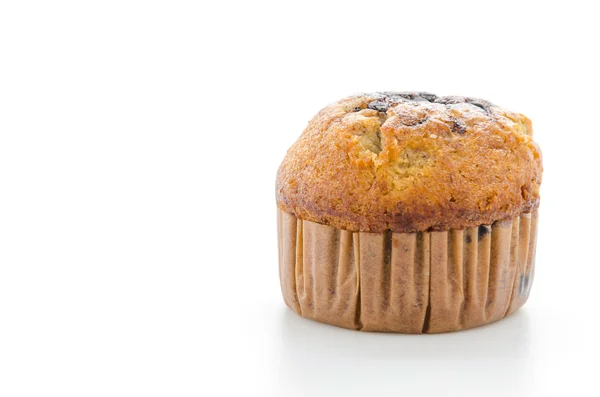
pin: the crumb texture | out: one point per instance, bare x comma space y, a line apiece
411, 161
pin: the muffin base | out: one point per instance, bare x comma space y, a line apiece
425, 282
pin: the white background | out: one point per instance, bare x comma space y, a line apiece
139, 143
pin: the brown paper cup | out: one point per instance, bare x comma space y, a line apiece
426, 282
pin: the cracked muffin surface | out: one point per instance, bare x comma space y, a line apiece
411, 161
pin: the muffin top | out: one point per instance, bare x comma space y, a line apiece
411, 161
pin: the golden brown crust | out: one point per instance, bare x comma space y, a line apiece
411, 162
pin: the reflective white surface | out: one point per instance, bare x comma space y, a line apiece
322, 360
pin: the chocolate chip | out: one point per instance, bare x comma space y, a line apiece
482, 231
458, 127
357, 109
467, 239
386, 99
480, 103
452, 100
416, 122
380, 106
428, 96
410, 95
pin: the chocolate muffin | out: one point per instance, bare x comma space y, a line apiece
409, 212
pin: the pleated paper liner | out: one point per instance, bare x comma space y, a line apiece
426, 282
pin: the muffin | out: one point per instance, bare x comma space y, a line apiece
408, 212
